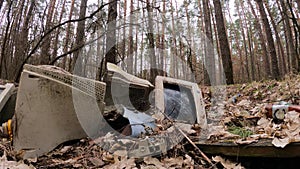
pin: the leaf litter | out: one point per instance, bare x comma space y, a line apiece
243, 121
245, 113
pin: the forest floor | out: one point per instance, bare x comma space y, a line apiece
244, 119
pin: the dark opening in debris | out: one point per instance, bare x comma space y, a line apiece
179, 103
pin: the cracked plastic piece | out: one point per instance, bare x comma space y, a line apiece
139, 122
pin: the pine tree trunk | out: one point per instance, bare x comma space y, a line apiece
162, 41
224, 45
270, 40
150, 36
21, 42
263, 42
45, 54
278, 40
245, 45
111, 51
56, 40
193, 59
210, 77
291, 43
239, 51
173, 46
249, 41
124, 40
67, 38
130, 47
218, 60
80, 39
5, 40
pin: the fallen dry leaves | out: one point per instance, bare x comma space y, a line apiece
244, 113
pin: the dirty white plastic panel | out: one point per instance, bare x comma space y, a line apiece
196, 92
46, 113
128, 77
5, 92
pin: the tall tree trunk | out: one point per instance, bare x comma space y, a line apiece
218, 60
174, 42
67, 38
80, 39
278, 40
124, 40
245, 45
23, 44
162, 42
11, 36
130, 47
209, 53
296, 28
136, 50
45, 54
142, 45
224, 50
238, 48
56, 40
263, 41
192, 57
272, 50
3, 67
291, 45
249, 38
150, 36
111, 50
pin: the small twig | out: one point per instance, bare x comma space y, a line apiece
189, 140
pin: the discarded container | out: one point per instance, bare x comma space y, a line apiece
278, 112
53, 107
181, 100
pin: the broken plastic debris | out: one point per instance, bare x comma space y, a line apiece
139, 122
149, 146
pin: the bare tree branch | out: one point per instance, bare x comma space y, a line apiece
18, 73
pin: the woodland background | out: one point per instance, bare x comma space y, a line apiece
248, 40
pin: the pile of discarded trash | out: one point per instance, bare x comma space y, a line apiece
51, 106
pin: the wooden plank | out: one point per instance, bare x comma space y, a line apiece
263, 148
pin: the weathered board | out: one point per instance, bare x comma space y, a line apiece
263, 148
